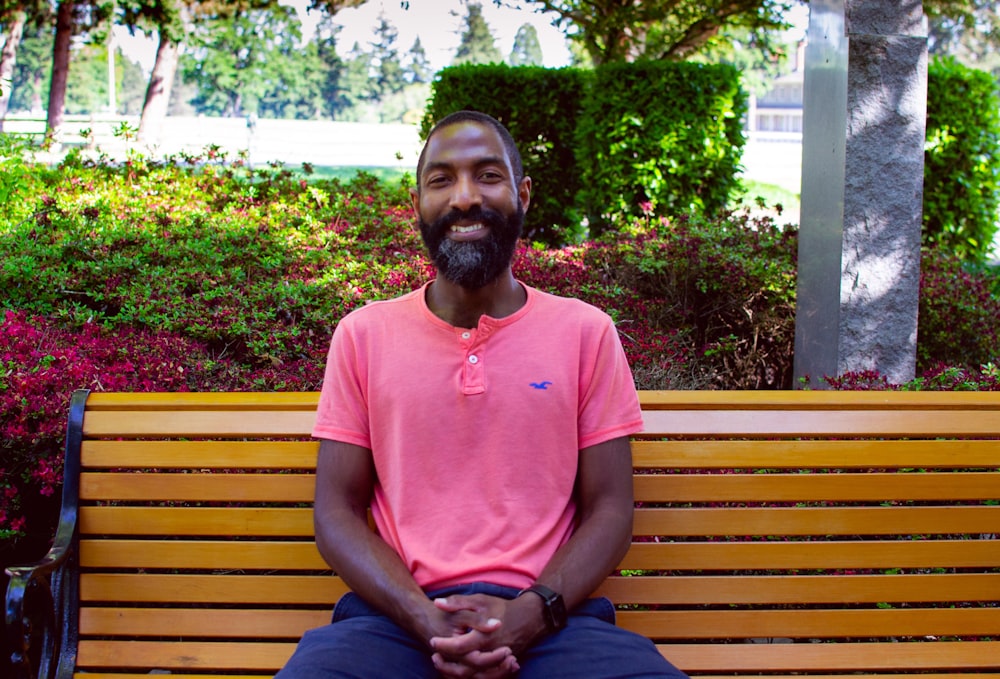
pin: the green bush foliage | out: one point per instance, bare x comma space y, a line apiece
958, 322
962, 160
206, 275
610, 145
540, 107
659, 136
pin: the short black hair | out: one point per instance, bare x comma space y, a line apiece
510, 146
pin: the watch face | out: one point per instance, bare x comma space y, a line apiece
557, 612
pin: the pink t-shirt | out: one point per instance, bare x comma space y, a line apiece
475, 433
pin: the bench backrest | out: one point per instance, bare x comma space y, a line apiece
767, 524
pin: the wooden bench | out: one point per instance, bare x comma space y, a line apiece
777, 533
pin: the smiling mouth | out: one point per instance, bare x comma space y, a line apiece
467, 229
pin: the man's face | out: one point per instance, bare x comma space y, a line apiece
470, 209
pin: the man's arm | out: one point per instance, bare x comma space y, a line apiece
605, 508
345, 478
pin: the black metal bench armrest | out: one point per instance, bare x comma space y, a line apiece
40, 630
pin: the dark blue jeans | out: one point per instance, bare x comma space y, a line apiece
361, 642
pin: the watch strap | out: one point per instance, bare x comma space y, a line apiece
555, 608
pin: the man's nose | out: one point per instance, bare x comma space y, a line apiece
465, 194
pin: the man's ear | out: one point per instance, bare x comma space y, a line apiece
415, 200
524, 192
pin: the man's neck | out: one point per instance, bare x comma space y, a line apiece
463, 307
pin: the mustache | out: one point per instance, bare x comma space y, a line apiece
489, 217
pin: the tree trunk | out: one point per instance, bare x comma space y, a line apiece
161, 82
8, 57
60, 70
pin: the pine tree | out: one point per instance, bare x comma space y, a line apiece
527, 51
418, 68
478, 46
387, 71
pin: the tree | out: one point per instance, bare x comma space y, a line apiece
387, 70
968, 30
418, 68
29, 88
527, 51
625, 30
237, 62
14, 17
478, 46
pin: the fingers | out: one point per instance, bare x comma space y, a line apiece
478, 664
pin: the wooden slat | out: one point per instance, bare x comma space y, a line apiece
214, 400
673, 590
822, 400
211, 589
680, 590
138, 487
192, 521
844, 657
815, 454
201, 555
211, 424
208, 554
193, 622
818, 521
877, 554
689, 657
869, 487
165, 655
813, 623
298, 522
791, 423
199, 454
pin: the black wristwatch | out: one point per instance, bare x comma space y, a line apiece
555, 609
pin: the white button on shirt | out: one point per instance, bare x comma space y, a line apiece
473, 359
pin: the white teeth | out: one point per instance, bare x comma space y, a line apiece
467, 229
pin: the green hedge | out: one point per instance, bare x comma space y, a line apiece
620, 141
659, 137
540, 107
962, 160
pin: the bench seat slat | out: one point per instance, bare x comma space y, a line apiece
801, 589
216, 589
816, 454
193, 423
805, 423
844, 657
651, 589
199, 454
747, 624
299, 487
211, 554
813, 623
689, 657
169, 655
192, 521
817, 521
812, 555
867, 487
198, 487
818, 400
286, 624
272, 521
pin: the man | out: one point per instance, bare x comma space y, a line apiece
486, 425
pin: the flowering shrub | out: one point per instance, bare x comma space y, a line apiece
205, 275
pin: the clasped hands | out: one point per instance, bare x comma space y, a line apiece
486, 633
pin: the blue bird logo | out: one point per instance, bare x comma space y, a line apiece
540, 385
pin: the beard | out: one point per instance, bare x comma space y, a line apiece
473, 264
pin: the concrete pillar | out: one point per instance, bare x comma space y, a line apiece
862, 186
